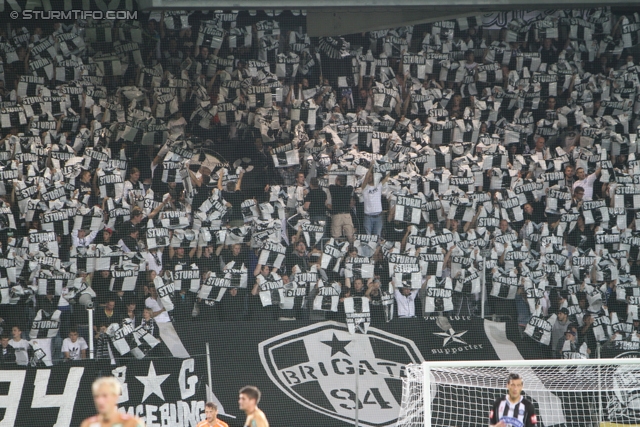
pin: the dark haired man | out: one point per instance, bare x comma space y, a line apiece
211, 417
248, 401
513, 409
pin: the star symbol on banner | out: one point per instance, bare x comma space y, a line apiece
451, 335
152, 383
337, 346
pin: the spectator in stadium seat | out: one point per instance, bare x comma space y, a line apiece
107, 314
586, 182
314, 202
570, 335
103, 347
157, 312
559, 328
105, 237
372, 197
548, 52
82, 238
236, 253
522, 307
540, 149
149, 322
20, 345
129, 240
74, 347
405, 301
586, 334
569, 176
207, 260
133, 315
582, 236
578, 197
340, 207
234, 197
7, 352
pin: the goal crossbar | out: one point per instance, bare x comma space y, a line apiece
529, 363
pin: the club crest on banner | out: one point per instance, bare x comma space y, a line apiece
623, 406
316, 367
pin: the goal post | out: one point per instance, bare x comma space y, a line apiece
565, 392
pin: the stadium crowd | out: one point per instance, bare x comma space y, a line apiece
224, 166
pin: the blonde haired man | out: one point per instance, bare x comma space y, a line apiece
106, 391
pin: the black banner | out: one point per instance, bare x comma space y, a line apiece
165, 392
306, 372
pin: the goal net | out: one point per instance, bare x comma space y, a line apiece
571, 393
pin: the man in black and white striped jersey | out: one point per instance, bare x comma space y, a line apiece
513, 409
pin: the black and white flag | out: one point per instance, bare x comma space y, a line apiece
332, 255
186, 277
271, 288
285, 156
358, 267
358, 316
328, 296
539, 327
110, 183
438, 295
407, 275
504, 284
467, 282
165, 289
124, 277
312, 232
237, 274
45, 325
409, 208
272, 254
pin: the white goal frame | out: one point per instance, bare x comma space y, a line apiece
428, 366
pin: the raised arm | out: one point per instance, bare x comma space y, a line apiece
220, 174
239, 183
368, 178
158, 208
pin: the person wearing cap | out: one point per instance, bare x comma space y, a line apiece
559, 328
405, 298
105, 237
571, 335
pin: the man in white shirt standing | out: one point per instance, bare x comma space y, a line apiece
20, 345
586, 182
405, 301
154, 303
372, 198
74, 347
